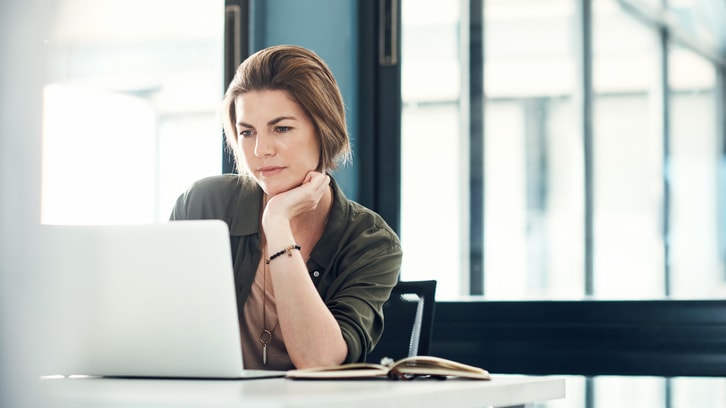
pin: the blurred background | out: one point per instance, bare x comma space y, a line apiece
556, 149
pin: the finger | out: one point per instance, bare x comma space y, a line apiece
321, 182
308, 177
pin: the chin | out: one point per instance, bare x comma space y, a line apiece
272, 188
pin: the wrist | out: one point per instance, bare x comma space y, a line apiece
288, 251
272, 223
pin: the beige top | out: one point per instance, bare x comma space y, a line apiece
251, 326
353, 266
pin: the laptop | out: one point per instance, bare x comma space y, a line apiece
149, 300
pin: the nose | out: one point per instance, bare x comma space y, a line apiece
264, 144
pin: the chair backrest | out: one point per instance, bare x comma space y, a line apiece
408, 321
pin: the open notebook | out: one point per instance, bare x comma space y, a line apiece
151, 300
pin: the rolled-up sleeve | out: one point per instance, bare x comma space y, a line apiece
358, 305
364, 269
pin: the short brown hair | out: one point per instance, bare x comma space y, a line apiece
307, 78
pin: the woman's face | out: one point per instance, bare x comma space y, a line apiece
276, 138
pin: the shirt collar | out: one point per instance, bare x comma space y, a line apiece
335, 226
246, 215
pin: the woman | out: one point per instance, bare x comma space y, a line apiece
312, 268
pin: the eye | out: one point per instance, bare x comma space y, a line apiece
246, 133
282, 129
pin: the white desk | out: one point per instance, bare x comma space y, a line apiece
501, 391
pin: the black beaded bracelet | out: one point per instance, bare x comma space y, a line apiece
287, 251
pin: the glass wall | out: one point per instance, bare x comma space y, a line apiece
695, 170
131, 112
533, 174
627, 156
433, 176
654, 150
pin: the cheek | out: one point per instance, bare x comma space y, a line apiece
244, 147
243, 152
312, 155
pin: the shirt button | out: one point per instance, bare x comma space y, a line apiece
316, 274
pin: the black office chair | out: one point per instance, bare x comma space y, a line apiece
408, 321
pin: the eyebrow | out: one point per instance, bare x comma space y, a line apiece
269, 123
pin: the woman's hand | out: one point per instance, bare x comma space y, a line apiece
298, 216
304, 198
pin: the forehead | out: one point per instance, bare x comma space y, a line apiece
264, 105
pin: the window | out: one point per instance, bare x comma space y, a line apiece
695, 169
433, 179
627, 157
533, 172
131, 116
628, 205
654, 132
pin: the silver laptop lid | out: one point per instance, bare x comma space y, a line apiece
153, 300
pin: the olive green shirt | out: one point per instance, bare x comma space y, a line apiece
354, 265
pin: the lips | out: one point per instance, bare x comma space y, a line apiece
269, 171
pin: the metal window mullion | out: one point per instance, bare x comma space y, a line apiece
584, 91
663, 113
585, 104
476, 147
379, 110
720, 96
236, 48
